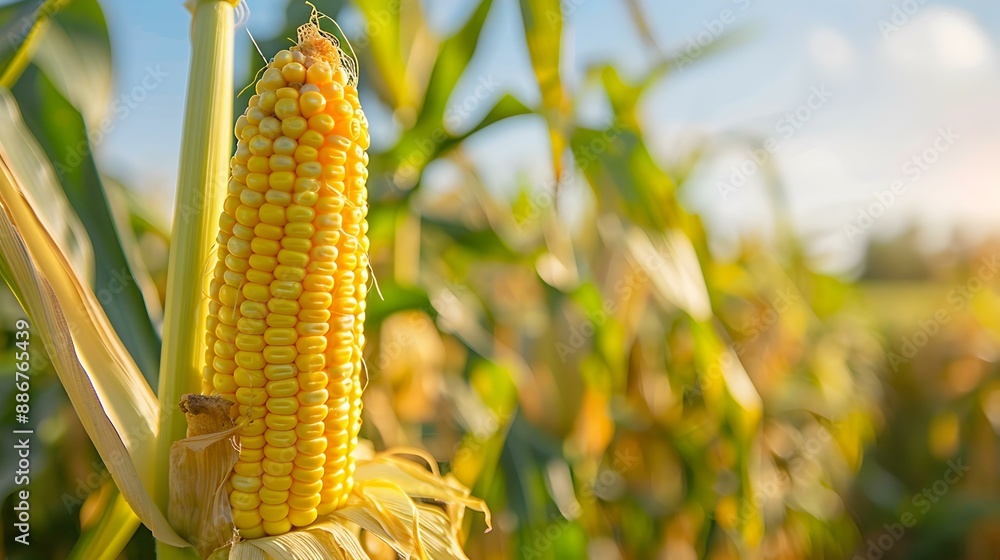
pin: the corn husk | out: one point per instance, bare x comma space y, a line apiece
416, 512
199, 466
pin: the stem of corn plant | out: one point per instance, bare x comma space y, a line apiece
27, 48
201, 188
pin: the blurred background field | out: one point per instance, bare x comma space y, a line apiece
656, 279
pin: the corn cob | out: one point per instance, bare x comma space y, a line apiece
287, 303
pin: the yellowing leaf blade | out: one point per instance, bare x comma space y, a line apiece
114, 402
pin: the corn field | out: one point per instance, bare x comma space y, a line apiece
345, 340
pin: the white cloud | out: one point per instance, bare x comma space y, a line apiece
940, 40
831, 50
937, 69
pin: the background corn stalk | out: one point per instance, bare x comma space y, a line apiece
582, 380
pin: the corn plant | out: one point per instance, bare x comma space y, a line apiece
249, 446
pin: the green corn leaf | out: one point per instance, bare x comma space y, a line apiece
119, 284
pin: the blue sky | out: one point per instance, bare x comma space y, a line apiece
891, 93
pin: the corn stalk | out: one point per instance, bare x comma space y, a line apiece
203, 172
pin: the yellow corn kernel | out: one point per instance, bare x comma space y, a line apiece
249, 378
276, 372
283, 405
251, 455
252, 442
296, 501
314, 315
251, 427
310, 363
280, 454
249, 325
312, 380
272, 79
273, 512
301, 214
309, 462
282, 163
294, 72
281, 321
281, 421
311, 446
287, 93
305, 488
263, 263
280, 438
245, 483
300, 518
312, 413
283, 306
267, 247
277, 483
249, 342
224, 383
286, 290
312, 430
246, 501
279, 354
248, 396
255, 292
312, 398
307, 475
286, 273
283, 388
250, 411
293, 126
278, 198
293, 258
250, 360
273, 497
274, 468
246, 517
277, 527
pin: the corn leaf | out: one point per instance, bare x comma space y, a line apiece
133, 221
673, 268
543, 27
24, 25
452, 59
640, 20
16, 21
114, 403
119, 284
75, 54
107, 539
41, 189
420, 146
624, 176
382, 45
